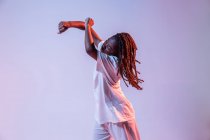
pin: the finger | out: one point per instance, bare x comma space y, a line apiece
60, 28
91, 22
61, 25
60, 32
63, 29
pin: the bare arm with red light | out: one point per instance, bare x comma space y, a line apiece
64, 25
91, 37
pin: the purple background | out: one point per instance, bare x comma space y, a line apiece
46, 79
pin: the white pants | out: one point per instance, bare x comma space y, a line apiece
127, 130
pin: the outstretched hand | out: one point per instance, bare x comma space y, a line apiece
63, 26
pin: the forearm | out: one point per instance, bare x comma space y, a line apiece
77, 24
81, 25
89, 43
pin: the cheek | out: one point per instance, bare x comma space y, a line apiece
115, 49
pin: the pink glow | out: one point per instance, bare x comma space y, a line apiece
46, 79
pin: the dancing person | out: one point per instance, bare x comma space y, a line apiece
115, 60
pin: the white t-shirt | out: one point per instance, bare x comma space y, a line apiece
111, 105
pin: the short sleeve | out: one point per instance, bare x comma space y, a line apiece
100, 45
108, 66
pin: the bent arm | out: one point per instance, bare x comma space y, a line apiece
81, 25
88, 38
89, 43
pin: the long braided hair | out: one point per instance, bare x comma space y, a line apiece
127, 59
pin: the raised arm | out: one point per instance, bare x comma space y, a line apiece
64, 25
89, 43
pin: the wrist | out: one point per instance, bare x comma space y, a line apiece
87, 25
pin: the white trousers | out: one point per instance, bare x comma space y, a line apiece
127, 130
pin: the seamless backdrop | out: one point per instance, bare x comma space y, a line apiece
46, 79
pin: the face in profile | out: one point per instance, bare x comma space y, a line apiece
110, 47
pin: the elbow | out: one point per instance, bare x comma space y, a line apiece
90, 48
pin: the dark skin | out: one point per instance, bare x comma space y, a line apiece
110, 46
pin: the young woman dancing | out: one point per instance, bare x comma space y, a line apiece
115, 60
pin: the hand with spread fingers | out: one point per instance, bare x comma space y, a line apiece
63, 26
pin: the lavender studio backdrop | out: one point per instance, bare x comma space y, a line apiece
46, 79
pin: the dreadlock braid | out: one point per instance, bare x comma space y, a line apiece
127, 59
